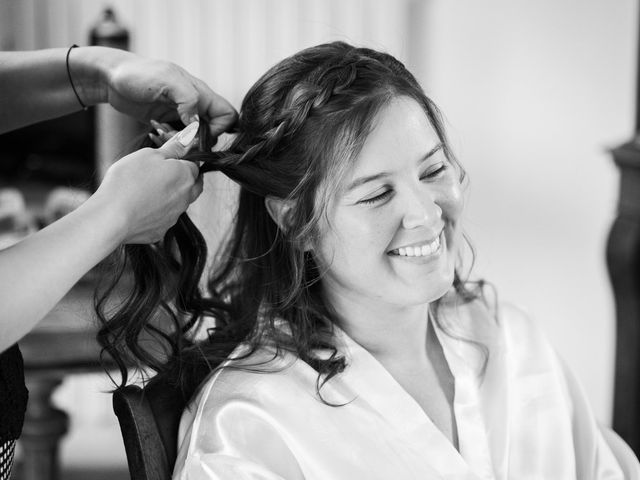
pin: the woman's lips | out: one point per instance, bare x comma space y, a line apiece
419, 249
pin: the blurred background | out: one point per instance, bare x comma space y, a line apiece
535, 93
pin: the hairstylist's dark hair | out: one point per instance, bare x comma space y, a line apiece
300, 127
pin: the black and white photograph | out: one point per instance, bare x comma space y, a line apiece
319, 240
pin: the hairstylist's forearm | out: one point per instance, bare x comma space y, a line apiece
141, 197
37, 272
35, 87
35, 84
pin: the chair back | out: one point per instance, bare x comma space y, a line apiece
149, 418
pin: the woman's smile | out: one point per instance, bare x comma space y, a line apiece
427, 249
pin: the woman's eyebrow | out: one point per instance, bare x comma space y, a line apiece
431, 152
369, 178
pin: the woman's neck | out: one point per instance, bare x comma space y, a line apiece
389, 332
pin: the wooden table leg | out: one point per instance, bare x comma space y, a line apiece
44, 426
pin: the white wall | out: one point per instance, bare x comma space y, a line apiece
534, 91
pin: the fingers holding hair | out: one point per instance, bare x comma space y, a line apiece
194, 99
197, 189
193, 168
164, 133
178, 145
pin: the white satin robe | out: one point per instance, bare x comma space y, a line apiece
526, 418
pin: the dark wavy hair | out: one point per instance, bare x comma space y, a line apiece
300, 127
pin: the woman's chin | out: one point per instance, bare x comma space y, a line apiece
424, 293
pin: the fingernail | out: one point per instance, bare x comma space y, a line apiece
194, 118
156, 126
186, 136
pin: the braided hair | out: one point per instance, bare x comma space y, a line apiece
300, 128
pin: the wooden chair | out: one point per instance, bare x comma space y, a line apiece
149, 420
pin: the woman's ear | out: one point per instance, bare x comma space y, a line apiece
279, 209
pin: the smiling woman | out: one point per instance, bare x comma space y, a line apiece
347, 342
382, 247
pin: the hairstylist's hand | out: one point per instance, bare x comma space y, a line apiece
155, 89
149, 189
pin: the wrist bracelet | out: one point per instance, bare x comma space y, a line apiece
84, 107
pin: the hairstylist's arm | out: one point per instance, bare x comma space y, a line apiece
35, 87
142, 195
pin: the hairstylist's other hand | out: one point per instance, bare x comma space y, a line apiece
147, 190
146, 88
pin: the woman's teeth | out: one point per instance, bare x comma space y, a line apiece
420, 250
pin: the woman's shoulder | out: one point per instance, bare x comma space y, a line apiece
264, 376
486, 320
519, 324
240, 408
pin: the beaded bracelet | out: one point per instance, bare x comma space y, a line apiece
84, 107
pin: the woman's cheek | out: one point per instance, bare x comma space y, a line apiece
452, 201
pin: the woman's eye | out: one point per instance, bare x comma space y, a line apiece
434, 172
377, 198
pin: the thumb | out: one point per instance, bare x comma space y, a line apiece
186, 96
178, 145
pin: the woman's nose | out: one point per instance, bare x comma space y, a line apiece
421, 210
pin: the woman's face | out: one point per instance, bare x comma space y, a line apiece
391, 236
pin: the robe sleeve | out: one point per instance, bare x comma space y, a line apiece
623, 453
600, 453
232, 434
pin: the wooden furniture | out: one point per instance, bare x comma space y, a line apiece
623, 261
149, 420
62, 344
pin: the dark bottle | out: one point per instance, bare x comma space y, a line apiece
108, 32
115, 132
